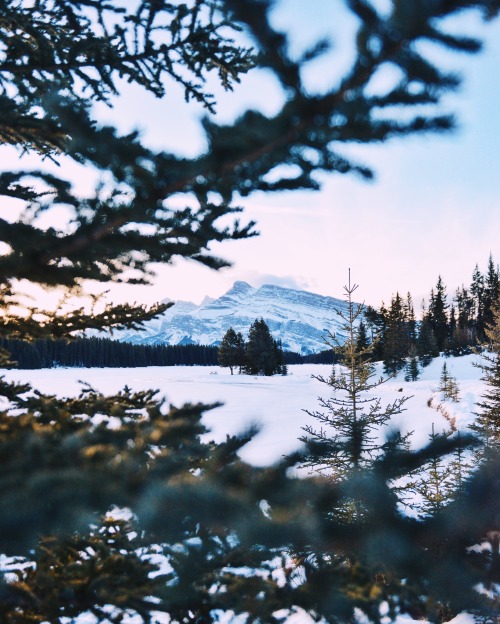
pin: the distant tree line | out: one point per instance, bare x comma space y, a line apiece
454, 328
326, 356
107, 353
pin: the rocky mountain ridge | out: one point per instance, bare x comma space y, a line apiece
298, 318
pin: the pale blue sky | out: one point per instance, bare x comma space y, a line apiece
434, 207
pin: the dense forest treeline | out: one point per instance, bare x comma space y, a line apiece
453, 325
107, 353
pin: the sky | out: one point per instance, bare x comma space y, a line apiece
433, 209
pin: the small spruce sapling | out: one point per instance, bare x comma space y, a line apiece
412, 370
435, 484
448, 385
461, 465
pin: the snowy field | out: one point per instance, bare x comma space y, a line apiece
277, 404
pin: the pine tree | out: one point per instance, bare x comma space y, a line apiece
411, 321
448, 385
262, 354
437, 314
463, 331
465, 307
452, 332
461, 466
348, 439
427, 347
412, 371
62, 578
477, 293
395, 332
435, 485
397, 336
376, 321
362, 342
281, 367
231, 350
491, 285
487, 422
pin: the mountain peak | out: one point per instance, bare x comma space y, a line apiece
240, 287
300, 319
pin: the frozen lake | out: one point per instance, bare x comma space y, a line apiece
277, 403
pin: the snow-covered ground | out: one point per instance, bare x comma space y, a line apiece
277, 404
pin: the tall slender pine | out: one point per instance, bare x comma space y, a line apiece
349, 438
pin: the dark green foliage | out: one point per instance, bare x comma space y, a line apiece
427, 347
73, 453
412, 370
49, 81
105, 353
491, 285
435, 484
66, 56
156, 464
108, 565
376, 321
362, 342
368, 472
437, 315
444, 478
323, 357
395, 332
463, 328
231, 351
398, 336
263, 355
476, 304
39, 324
455, 329
487, 423
279, 356
462, 465
152, 460
477, 294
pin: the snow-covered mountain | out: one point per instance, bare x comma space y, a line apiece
300, 319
